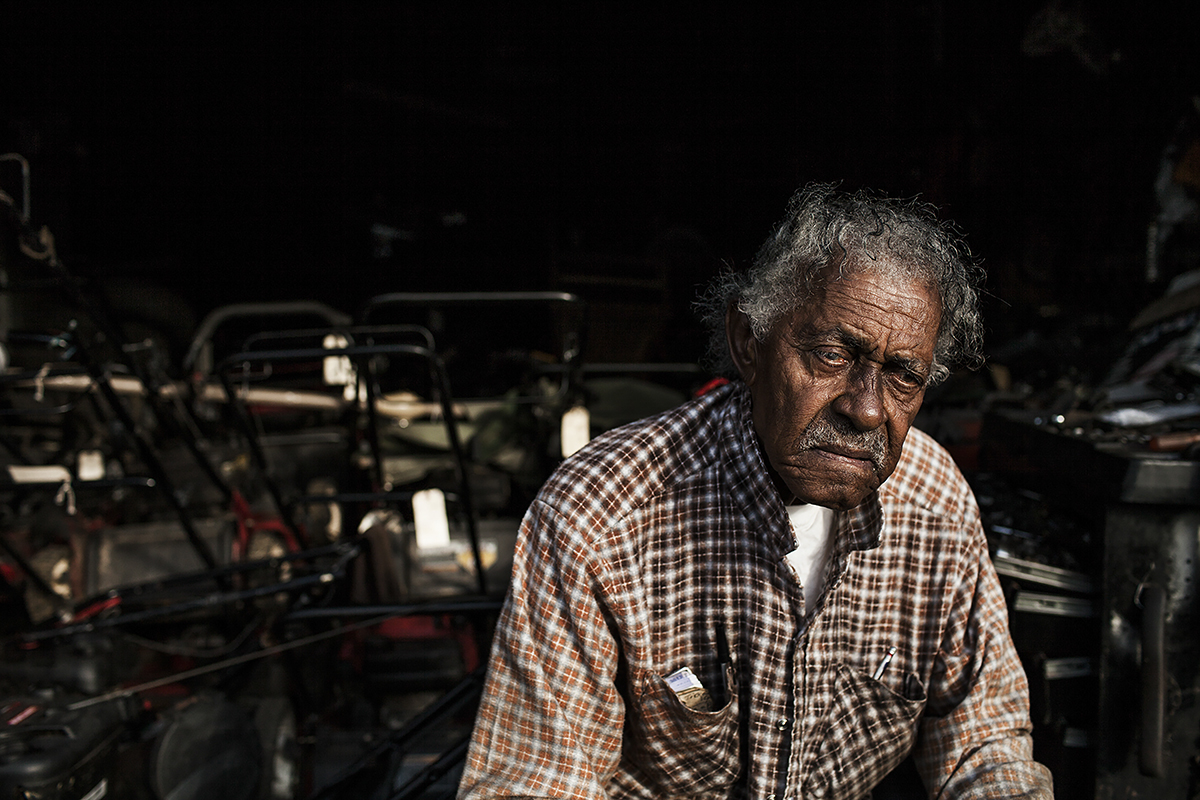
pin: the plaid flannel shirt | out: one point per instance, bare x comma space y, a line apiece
656, 535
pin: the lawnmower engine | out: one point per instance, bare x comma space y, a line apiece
60, 745
53, 751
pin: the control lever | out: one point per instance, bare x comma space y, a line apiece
1154, 678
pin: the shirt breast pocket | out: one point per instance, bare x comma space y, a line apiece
868, 730
677, 750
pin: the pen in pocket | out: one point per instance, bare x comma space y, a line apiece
887, 659
723, 660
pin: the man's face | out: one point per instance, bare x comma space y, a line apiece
836, 384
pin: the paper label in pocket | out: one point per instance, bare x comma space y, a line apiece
689, 690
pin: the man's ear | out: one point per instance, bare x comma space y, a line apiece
743, 347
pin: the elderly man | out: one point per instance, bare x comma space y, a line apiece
777, 590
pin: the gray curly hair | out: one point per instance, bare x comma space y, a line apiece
825, 227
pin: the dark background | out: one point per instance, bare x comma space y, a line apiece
232, 153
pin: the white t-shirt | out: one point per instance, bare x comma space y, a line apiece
812, 526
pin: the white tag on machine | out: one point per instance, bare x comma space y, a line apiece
576, 429
337, 370
430, 520
89, 465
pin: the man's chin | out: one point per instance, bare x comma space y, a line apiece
841, 487
835, 497
839, 492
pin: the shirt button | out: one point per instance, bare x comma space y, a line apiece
782, 724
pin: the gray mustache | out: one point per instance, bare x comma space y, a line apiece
824, 432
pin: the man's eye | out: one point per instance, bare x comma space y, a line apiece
909, 381
832, 358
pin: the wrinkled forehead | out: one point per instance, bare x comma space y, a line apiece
880, 309
854, 271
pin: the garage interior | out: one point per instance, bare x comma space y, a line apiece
299, 308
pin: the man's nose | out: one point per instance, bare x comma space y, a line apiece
861, 401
